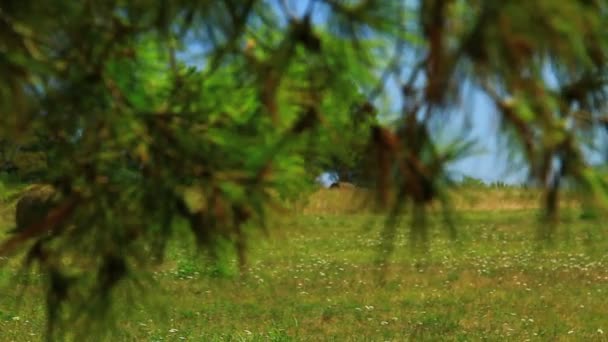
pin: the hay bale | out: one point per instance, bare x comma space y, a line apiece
34, 205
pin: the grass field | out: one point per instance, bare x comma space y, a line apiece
315, 279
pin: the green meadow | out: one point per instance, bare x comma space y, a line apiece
315, 276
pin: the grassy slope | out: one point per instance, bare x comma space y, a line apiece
315, 280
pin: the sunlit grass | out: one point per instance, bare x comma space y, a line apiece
316, 277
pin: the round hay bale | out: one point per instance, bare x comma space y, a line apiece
34, 205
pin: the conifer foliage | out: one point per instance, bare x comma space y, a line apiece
207, 112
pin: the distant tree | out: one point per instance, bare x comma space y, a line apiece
139, 141
472, 182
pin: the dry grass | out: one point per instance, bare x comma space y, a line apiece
338, 201
358, 200
496, 199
